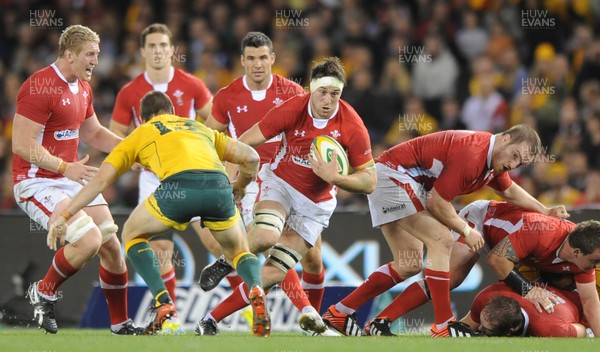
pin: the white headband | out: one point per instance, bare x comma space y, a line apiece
324, 82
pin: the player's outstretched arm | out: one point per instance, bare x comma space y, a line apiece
211, 122
253, 136
518, 196
591, 305
502, 259
248, 161
119, 129
57, 227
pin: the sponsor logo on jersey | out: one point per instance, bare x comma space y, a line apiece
64, 135
298, 160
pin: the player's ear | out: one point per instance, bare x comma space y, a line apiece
273, 57
242, 59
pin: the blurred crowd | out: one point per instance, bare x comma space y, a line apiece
414, 67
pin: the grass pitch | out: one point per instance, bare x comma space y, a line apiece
31, 340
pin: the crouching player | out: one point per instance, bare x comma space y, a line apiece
500, 311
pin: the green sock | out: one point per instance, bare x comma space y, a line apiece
249, 269
144, 262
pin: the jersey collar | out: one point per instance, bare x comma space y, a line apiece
160, 86
73, 86
525, 323
257, 95
321, 123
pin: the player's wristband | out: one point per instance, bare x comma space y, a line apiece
66, 214
466, 231
518, 282
62, 167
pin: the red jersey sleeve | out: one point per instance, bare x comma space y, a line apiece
202, 94
219, 111
36, 107
122, 111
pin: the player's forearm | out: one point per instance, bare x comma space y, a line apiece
118, 129
33, 152
519, 197
444, 212
103, 140
363, 181
501, 266
591, 305
592, 315
248, 170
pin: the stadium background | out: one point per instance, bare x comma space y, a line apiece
414, 67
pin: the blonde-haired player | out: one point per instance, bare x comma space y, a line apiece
55, 110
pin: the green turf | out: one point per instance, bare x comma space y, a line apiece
33, 340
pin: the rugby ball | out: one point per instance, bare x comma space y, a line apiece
325, 145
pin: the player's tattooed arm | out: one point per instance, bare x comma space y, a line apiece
502, 258
505, 249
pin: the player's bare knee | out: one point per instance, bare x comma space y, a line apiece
263, 243
110, 255
283, 257
406, 271
312, 262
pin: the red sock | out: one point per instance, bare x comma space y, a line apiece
59, 272
114, 287
384, 278
170, 281
234, 279
237, 300
314, 286
412, 297
293, 289
439, 289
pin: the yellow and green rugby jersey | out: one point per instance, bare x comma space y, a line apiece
168, 144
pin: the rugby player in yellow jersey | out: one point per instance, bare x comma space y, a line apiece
187, 158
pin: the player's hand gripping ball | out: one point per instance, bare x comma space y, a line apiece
325, 145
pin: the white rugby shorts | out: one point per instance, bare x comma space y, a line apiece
39, 196
305, 217
396, 196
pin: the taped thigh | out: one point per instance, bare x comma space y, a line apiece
269, 219
284, 257
78, 228
107, 229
